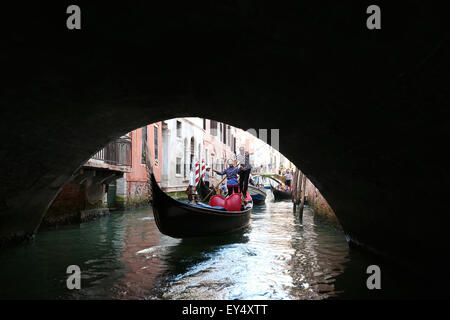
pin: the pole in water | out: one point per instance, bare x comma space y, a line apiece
295, 189
302, 194
301, 200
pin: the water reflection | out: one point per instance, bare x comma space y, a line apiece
125, 257
277, 258
320, 255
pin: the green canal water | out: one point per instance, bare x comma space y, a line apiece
124, 256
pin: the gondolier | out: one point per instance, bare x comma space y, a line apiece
244, 171
232, 180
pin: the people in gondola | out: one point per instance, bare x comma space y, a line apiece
223, 189
232, 180
282, 187
191, 187
207, 176
244, 171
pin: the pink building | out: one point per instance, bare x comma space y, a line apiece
146, 144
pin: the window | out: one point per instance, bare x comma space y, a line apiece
224, 133
221, 131
178, 129
144, 145
213, 128
156, 142
178, 166
204, 124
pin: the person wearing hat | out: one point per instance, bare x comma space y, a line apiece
232, 181
244, 171
207, 176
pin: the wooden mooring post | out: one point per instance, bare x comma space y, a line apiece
295, 192
299, 192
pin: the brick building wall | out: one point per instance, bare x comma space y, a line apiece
132, 190
318, 203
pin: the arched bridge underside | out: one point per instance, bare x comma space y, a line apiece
364, 113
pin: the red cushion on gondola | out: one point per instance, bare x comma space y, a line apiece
233, 202
217, 200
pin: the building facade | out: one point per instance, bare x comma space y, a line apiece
146, 145
182, 140
220, 145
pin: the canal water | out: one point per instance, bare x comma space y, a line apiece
124, 256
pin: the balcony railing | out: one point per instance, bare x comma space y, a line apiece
117, 152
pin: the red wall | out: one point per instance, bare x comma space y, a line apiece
138, 170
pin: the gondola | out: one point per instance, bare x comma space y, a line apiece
281, 195
182, 220
258, 195
203, 191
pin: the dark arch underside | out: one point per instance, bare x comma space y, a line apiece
363, 113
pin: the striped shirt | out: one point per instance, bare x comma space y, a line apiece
244, 160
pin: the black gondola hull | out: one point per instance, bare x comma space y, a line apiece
259, 201
258, 195
204, 191
281, 195
179, 220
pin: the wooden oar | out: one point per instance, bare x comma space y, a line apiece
214, 188
237, 166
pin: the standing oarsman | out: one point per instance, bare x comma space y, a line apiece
244, 171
